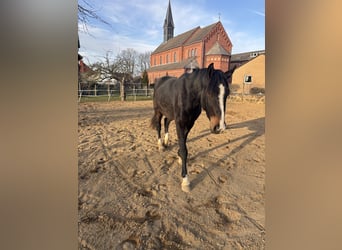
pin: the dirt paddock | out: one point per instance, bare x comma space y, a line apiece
130, 194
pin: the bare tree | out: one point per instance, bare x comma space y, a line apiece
109, 66
144, 61
86, 12
127, 61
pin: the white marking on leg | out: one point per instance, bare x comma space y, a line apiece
220, 97
186, 184
185, 181
179, 160
160, 144
166, 139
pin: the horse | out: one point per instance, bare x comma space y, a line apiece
182, 99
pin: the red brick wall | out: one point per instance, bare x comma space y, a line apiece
218, 34
197, 47
220, 62
155, 58
83, 67
153, 76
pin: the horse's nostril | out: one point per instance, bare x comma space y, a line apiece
216, 129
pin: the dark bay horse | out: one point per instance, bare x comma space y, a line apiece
182, 99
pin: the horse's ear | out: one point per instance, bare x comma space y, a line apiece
211, 70
230, 72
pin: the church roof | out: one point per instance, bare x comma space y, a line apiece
200, 34
175, 41
217, 49
195, 35
187, 63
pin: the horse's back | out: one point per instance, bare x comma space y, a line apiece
164, 81
164, 96
165, 86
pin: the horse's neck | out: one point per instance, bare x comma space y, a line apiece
198, 83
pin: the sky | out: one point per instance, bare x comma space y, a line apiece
138, 24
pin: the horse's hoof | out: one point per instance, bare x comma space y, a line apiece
186, 188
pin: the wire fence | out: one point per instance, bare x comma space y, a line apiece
112, 95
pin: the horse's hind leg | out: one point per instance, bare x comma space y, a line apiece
166, 127
160, 143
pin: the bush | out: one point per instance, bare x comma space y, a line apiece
256, 90
234, 87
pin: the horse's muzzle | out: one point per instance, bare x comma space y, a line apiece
217, 129
215, 125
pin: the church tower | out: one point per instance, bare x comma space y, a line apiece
168, 24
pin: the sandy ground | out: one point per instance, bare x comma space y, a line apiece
130, 193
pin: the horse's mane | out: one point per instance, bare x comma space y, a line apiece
212, 87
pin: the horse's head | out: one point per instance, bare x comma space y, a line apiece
215, 96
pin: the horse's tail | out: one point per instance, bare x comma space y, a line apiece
154, 121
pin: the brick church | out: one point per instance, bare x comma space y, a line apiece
197, 47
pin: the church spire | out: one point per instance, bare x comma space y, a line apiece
168, 24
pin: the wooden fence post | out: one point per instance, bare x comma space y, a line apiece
122, 90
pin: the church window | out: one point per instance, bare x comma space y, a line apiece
160, 59
175, 57
167, 58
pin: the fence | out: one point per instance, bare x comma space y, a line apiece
111, 95
103, 95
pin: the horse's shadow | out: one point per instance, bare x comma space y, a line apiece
202, 134
256, 126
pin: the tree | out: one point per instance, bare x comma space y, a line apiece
127, 61
87, 12
144, 61
108, 68
144, 79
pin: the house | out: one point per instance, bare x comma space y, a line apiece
83, 68
196, 48
242, 58
250, 72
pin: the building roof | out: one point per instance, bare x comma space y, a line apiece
187, 63
174, 42
194, 35
200, 34
246, 56
217, 49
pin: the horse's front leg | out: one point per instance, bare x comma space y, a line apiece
182, 134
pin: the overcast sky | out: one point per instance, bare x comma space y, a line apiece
138, 24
